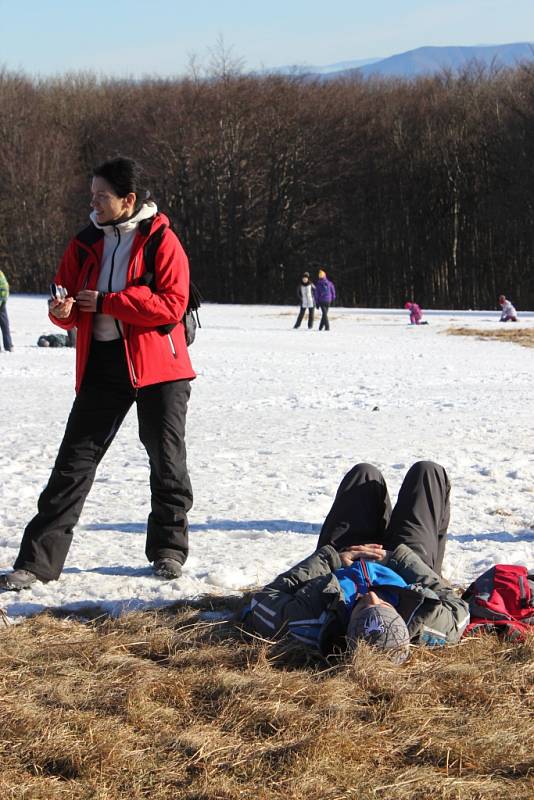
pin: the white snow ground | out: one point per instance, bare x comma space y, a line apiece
276, 418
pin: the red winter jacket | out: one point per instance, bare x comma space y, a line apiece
152, 356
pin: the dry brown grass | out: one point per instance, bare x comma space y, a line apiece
166, 705
522, 336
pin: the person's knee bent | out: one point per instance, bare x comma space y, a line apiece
361, 473
422, 468
427, 466
367, 469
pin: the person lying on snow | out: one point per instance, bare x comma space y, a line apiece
56, 340
376, 574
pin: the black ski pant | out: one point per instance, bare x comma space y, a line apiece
362, 512
324, 323
100, 407
4, 326
301, 317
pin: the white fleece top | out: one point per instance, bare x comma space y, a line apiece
118, 240
508, 310
306, 295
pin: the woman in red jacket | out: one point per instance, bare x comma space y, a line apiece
130, 349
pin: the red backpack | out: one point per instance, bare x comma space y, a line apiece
502, 600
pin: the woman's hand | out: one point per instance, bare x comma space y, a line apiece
372, 552
87, 299
61, 308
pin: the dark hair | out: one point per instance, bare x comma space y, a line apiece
124, 175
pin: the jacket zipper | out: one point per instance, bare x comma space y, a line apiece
365, 574
136, 266
118, 234
134, 376
130, 360
110, 289
171, 343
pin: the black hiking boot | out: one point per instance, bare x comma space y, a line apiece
167, 568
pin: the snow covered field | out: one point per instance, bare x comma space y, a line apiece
276, 418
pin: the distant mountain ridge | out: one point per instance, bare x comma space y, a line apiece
326, 69
425, 61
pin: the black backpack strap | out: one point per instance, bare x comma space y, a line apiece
82, 255
149, 257
148, 278
85, 239
195, 299
89, 235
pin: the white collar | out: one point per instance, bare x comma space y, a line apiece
146, 211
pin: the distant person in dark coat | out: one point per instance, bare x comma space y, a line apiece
306, 297
4, 320
325, 294
508, 312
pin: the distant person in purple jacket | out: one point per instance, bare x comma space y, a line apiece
325, 294
416, 315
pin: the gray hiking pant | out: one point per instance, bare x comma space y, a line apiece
362, 512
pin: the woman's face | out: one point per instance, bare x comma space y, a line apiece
108, 206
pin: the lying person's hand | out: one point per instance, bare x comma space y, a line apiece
372, 552
61, 308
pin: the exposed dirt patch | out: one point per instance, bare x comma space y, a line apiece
522, 336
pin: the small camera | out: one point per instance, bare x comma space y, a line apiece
58, 292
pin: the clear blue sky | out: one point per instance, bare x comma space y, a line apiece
130, 37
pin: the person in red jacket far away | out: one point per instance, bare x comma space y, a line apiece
130, 349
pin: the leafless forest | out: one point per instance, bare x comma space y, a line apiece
420, 189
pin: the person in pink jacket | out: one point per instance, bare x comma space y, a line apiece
416, 315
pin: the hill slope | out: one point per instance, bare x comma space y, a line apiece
429, 60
